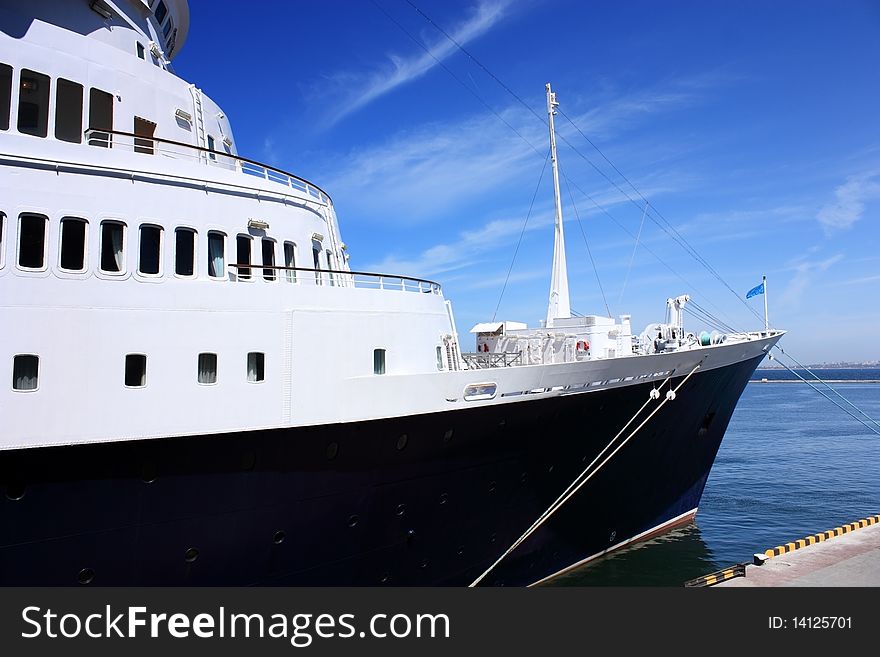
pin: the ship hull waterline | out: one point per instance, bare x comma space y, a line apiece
428, 499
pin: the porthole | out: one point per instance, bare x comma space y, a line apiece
410, 537
502, 424
706, 423
401, 509
85, 576
613, 536
424, 564
460, 550
492, 486
493, 537
444, 497
332, 451
191, 555
401, 442
524, 477
352, 521
279, 537
148, 472
385, 578
448, 435
15, 491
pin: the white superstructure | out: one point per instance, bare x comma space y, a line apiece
154, 283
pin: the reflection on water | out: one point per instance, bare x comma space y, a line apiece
667, 560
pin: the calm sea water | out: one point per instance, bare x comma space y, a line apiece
791, 464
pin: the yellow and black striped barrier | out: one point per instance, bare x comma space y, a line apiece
821, 536
737, 570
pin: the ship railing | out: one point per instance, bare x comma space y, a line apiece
484, 361
332, 278
205, 156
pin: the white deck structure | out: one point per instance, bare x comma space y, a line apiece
154, 283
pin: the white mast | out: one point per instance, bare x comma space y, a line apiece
559, 306
766, 317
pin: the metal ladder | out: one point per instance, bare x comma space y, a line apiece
199, 121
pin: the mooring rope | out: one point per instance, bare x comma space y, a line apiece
852, 415
823, 382
587, 474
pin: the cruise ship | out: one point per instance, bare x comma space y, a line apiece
200, 388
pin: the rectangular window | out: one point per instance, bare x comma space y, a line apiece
256, 367
161, 12
150, 257
243, 256
167, 29
145, 129
100, 117
439, 358
184, 251
73, 244
331, 264
290, 261
5, 95
140, 51
33, 104
32, 241
68, 111
211, 147
25, 372
2, 232
135, 370
268, 259
316, 256
112, 247
216, 255
207, 369
378, 361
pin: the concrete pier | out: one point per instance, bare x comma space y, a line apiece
850, 559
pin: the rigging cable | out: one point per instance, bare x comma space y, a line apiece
586, 243
633, 256
675, 235
522, 232
706, 320
453, 75
645, 246
852, 415
517, 132
727, 328
823, 382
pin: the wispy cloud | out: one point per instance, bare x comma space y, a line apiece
402, 69
805, 272
420, 174
463, 249
849, 204
609, 111
269, 151
860, 281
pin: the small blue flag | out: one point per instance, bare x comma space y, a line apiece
755, 291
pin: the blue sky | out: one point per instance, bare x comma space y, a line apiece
752, 127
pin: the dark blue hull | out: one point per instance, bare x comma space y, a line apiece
420, 500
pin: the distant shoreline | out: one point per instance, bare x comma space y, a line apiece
823, 367
814, 380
